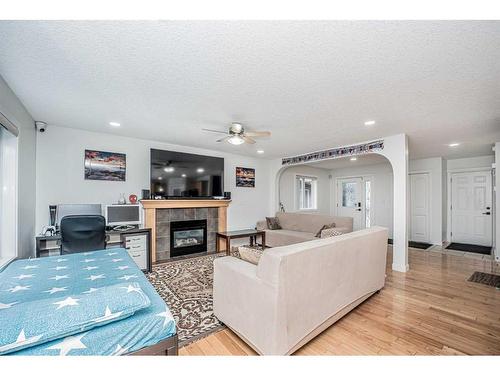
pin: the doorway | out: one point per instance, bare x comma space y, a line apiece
471, 208
355, 199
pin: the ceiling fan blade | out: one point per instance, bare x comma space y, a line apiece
214, 131
223, 139
248, 139
258, 134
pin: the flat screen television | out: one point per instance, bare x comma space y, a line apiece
182, 175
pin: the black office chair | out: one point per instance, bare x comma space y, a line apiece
80, 233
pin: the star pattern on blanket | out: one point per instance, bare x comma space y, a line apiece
68, 344
23, 276
18, 288
58, 268
87, 260
96, 277
56, 289
111, 254
90, 268
121, 268
59, 277
21, 341
30, 267
91, 290
132, 288
127, 277
116, 260
108, 315
6, 305
61, 260
167, 315
67, 302
119, 350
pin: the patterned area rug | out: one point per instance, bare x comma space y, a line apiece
186, 286
485, 278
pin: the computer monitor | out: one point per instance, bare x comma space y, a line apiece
77, 209
123, 214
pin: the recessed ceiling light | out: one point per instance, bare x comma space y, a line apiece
200, 170
169, 169
183, 175
454, 144
353, 159
160, 178
112, 123
369, 123
260, 151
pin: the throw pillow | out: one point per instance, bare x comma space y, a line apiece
326, 226
273, 223
250, 255
330, 232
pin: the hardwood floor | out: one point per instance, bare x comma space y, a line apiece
432, 309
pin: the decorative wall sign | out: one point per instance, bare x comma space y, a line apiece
335, 153
106, 166
245, 177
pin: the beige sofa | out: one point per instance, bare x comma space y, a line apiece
300, 227
297, 291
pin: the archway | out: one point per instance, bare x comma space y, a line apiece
395, 150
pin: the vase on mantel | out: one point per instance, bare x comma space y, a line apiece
122, 199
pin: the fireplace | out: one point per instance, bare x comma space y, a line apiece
188, 237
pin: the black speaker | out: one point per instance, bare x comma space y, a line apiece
52, 214
146, 194
227, 195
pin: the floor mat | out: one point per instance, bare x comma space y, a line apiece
470, 248
485, 278
419, 245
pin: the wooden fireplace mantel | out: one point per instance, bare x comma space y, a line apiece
151, 205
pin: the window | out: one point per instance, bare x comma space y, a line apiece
368, 203
306, 192
8, 195
349, 194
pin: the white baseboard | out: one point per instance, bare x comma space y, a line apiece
400, 267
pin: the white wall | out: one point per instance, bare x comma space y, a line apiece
288, 185
60, 174
382, 191
466, 163
13, 109
434, 167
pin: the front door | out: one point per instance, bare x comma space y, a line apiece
350, 200
471, 207
419, 207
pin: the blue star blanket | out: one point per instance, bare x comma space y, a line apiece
95, 303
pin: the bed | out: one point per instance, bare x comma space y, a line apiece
55, 281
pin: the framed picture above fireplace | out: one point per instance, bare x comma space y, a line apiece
245, 177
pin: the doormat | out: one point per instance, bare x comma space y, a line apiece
486, 279
470, 248
419, 245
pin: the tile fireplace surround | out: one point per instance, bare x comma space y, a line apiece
158, 214
164, 216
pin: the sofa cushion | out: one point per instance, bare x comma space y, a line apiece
326, 226
310, 222
249, 254
282, 237
330, 232
273, 223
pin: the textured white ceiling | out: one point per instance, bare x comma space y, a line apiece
313, 84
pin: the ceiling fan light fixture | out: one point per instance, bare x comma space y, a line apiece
236, 140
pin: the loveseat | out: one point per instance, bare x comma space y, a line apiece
297, 291
301, 227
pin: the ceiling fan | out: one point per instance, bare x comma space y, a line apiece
237, 135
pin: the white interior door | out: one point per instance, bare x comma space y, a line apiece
350, 200
419, 207
471, 198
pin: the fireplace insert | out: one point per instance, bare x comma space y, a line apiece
188, 237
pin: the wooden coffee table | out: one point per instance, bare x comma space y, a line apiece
252, 234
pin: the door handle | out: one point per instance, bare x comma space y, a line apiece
486, 213
358, 209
